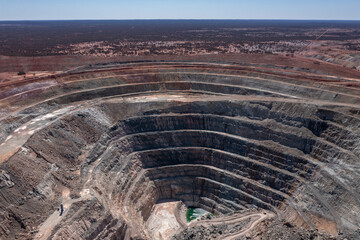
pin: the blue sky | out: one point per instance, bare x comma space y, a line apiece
180, 9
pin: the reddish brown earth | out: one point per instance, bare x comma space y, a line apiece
63, 63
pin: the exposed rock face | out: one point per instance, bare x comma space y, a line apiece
109, 144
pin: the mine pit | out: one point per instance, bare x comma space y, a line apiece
193, 213
144, 150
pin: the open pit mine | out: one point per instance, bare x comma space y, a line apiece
133, 150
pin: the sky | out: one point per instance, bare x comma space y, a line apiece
179, 9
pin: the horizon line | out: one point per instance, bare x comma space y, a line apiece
176, 19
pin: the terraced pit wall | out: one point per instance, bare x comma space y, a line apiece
111, 143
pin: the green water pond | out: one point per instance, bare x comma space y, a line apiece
193, 213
